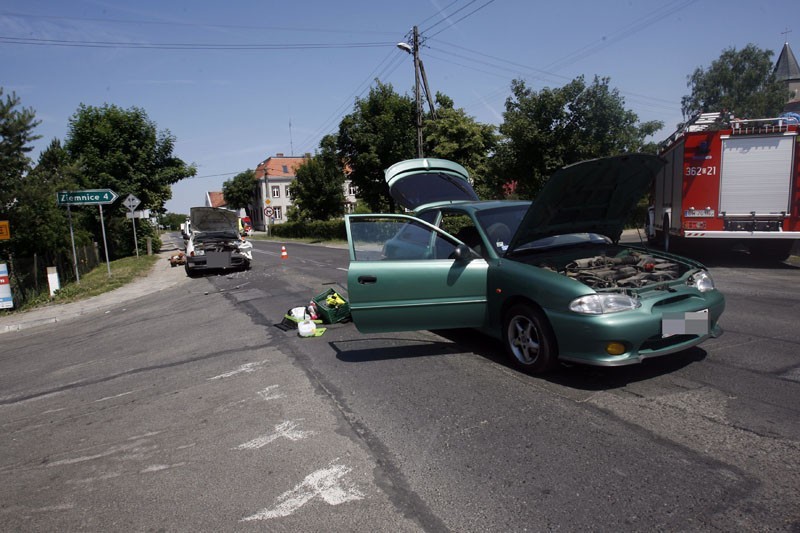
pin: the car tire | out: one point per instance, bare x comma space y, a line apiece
529, 339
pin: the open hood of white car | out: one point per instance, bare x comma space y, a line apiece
213, 219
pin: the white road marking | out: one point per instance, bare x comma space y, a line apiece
326, 484
144, 435
93, 479
244, 369
285, 429
269, 394
158, 468
50, 508
342, 269
116, 396
132, 447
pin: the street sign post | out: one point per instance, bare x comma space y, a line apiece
131, 202
87, 197
98, 197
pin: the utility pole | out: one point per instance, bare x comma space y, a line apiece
419, 73
417, 98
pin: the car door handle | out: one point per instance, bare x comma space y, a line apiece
367, 280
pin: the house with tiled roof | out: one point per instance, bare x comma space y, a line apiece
787, 70
273, 190
215, 199
274, 177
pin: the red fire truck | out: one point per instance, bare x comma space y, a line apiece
730, 181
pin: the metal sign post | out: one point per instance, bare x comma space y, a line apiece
74, 255
131, 202
105, 243
88, 197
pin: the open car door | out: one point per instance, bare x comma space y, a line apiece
406, 274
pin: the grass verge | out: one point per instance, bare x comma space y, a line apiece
97, 281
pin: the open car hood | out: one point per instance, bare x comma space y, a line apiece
593, 196
417, 182
213, 219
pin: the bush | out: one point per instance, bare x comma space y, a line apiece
637, 217
324, 230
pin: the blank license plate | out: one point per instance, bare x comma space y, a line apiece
695, 323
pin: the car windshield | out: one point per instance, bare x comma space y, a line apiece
560, 241
500, 224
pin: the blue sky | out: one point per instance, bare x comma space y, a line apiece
247, 69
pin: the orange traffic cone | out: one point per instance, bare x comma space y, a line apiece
284, 255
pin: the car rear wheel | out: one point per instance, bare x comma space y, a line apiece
529, 340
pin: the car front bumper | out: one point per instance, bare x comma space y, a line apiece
584, 339
217, 261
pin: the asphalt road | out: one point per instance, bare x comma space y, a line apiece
189, 409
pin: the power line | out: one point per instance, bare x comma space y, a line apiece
539, 73
188, 46
429, 28
390, 67
462, 18
445, 8
620, 34
379, 71
191, 24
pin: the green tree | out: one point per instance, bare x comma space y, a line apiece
122, 150
16, 136
378, 133
173, 221
239, 191
456, 136
318, 192
739, 81
545, 130
42, 225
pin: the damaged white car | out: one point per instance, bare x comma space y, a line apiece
215, 243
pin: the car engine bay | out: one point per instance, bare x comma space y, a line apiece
627, 269
218, 242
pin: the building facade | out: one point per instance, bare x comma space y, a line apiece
787, 70
273, 190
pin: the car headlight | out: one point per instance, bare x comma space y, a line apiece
598, 304
701, 281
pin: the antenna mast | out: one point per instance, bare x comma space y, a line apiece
291, 142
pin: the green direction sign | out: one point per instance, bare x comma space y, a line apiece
86, 197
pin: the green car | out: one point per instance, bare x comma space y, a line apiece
548, 278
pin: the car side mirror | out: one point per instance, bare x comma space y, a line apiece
463, 253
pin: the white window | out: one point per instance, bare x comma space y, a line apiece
276, 191
278, 212
288, 192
